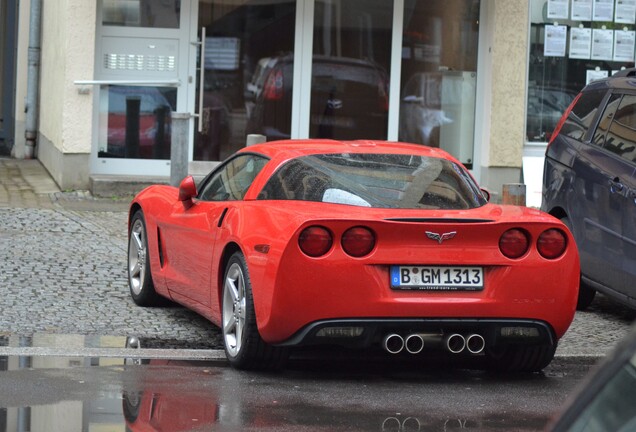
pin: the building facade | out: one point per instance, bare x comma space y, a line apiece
457, 74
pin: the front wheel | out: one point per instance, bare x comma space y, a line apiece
142, 289
244, 347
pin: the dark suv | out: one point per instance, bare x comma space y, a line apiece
589, 182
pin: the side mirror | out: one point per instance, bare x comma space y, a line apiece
187, 190
486, 194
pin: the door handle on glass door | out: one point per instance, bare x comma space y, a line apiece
201, 80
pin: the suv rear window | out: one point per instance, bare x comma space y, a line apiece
583, 113
375, 180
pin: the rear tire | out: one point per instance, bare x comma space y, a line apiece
586, 296
244, 347
520, 358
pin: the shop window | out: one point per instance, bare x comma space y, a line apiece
439, 75
571, 44
351, 60
248, 69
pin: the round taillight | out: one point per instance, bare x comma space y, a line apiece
358, 241
315, 241
514, 243
551, 243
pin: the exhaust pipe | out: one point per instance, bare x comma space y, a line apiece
393, 343
475, 343
455, 343
414, 343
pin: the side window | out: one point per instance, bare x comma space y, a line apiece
621, 137
583, 114
606, 120
233, 179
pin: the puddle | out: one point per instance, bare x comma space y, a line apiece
133, 393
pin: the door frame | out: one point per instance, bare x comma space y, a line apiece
181, 80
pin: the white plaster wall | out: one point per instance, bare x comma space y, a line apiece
68, 35
509, 70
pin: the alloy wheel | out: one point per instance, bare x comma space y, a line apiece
234, 313
137, 255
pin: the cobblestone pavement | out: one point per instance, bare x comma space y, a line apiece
63, 271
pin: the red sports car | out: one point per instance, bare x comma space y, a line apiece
357, 244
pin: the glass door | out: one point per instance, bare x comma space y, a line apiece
141, 76
245, 69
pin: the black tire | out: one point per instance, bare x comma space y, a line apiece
586, 296
520, 358
586, 293
244, 347
142, 289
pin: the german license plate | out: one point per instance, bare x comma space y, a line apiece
437, 278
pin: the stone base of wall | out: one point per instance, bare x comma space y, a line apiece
69, 170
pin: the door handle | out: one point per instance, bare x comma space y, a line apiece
201, 80
616, 186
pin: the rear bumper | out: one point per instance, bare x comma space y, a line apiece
370, 332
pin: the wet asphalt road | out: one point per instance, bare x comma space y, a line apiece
325, 396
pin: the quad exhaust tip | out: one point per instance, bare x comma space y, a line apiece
475, 343
393, 343
455, 343
414, 343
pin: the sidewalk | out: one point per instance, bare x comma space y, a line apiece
87, 238
27, 184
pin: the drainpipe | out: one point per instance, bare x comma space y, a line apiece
33, 78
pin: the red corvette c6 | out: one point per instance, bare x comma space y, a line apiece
357, 244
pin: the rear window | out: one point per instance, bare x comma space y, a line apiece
375, 180
583, 113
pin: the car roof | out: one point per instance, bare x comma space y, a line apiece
624, 80
289, 149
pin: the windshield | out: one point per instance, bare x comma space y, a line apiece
375, 180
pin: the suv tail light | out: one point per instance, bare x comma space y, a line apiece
273, 88
563, 118
552, 243
315, 241
514, 243
358, 241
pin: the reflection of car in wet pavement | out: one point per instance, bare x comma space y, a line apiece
358, 244
145, 110
349, 100
590, 183
605, 401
